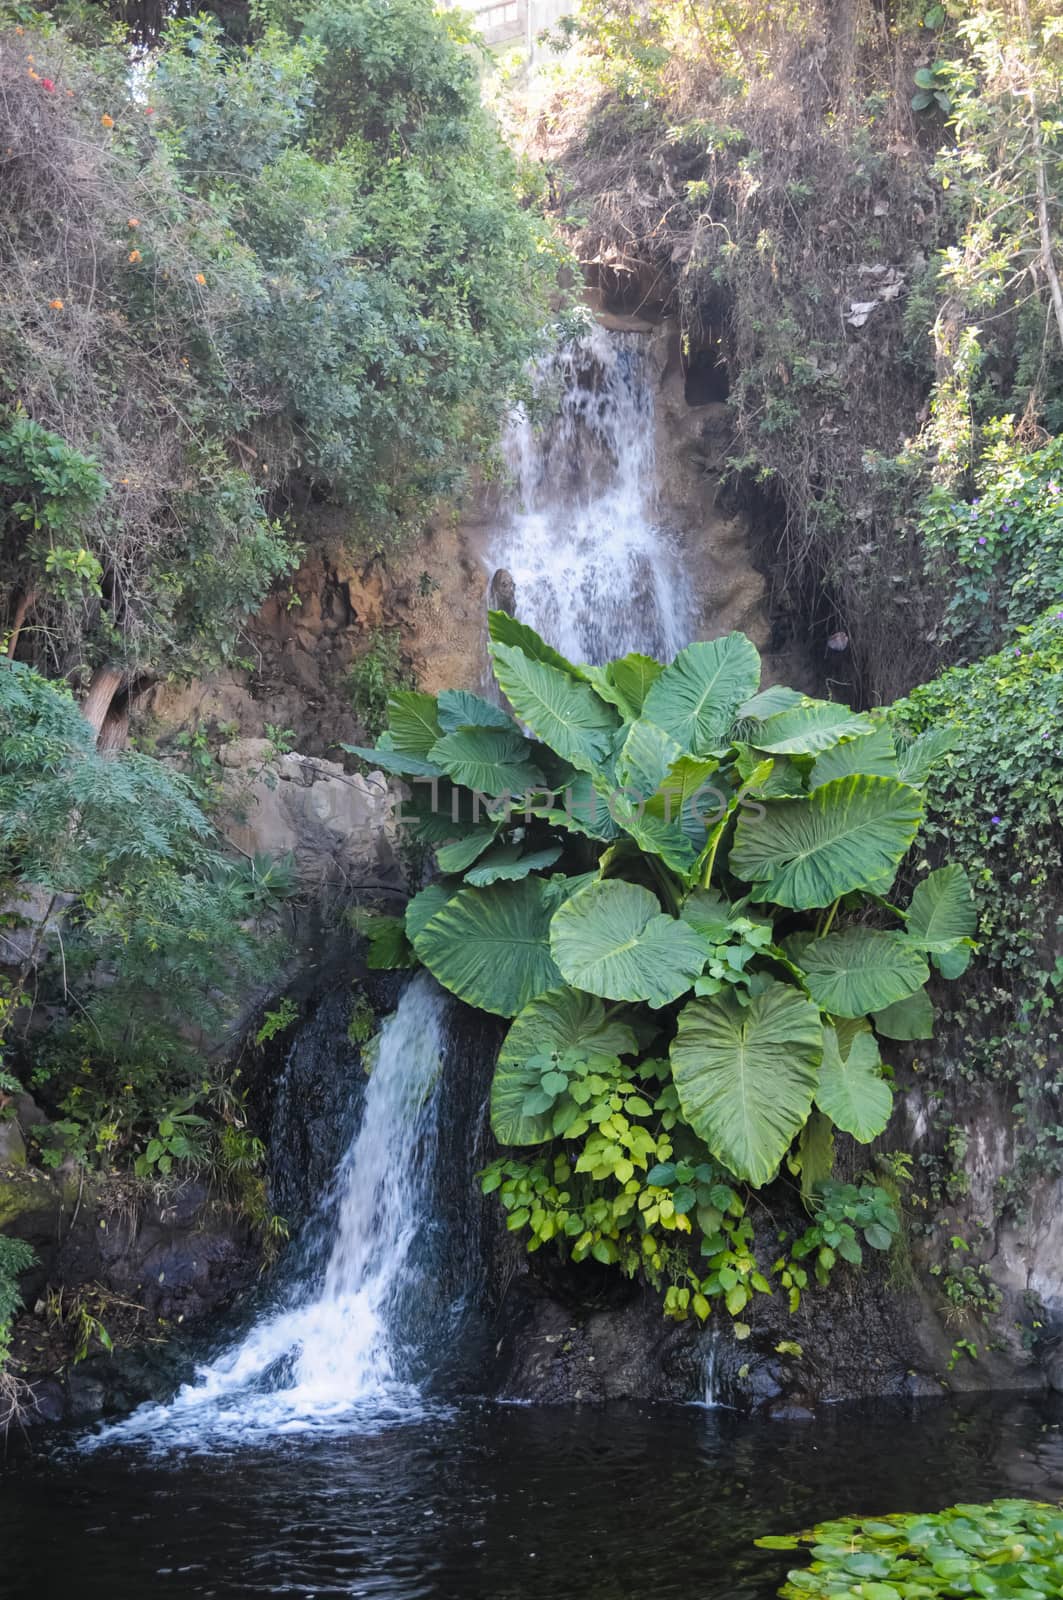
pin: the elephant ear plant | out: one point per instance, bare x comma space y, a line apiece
677, 886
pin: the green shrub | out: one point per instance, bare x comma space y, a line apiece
678, 891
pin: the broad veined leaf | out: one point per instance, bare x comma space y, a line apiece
647, 755
696, 698
605, 689
495, 761
746, 1075
553, 1022
655, 836
613, 940
849, 833
852, 1091
400, 763
461, 853
872, 753
688, 799
808, 728
918, 759
910, 1018
942, 918
861, 970
424, 905
458, 708
491, 947
388, 945
565, 713
768, 702
634, 676
816, 1151
413, 721
579, 807
506, 864
505, 629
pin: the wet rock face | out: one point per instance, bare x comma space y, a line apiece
150, 1265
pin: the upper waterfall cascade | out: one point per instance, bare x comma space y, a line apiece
593, 570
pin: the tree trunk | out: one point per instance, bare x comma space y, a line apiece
22, 611
104, 685
1044, 227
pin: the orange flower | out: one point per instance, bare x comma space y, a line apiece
30, 58
20, 30
123, 480
32, 73
134, 222
108, 122
56, 305
134, 257
200, 279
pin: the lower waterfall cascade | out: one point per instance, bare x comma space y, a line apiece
342, 1352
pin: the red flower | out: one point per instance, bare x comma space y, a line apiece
46, 83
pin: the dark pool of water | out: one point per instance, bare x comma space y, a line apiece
503, 1503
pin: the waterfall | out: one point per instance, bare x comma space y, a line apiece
348, 1343
592, 569
344, 1352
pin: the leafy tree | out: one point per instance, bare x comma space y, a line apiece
114, 897
676, 886
301, 262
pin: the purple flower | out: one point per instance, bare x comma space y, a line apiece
995, 821
982, 539
1018, 652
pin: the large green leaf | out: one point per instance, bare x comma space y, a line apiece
458, 708
918, 758
768, 701
816, 1152
401, 763
505, 864
612, 939
696, 698
581, 808
910, 1018
852, 1091
861, 970
849, 833
491, 947
646, 757
461, 853
942, 919
413, 721
424, 905
567, 714
873, 753
746, 1075
655, 836
634, 676
495, 761
505, 629
687, 799
808, 728
553, 1022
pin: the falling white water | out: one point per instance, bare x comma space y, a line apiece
710, 1398
344, 1356
593, 570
